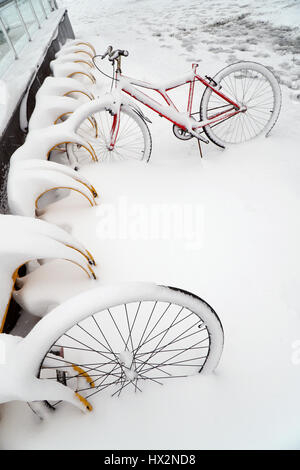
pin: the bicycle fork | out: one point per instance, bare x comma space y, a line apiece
114, 130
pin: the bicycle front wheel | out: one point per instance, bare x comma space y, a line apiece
133, 139
112, 340
251, 85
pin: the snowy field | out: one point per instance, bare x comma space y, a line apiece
245, 261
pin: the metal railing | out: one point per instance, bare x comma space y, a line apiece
19, 21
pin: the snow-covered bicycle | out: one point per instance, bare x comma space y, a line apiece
111, 339
239, 103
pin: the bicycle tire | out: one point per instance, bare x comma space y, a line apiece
132, 126
167, 306
262, 98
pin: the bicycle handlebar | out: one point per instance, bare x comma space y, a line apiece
108, 51
113, 55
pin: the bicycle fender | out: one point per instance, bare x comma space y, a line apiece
139, 112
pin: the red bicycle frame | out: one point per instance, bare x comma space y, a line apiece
169, 111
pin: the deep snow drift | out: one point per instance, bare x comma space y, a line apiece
245, 262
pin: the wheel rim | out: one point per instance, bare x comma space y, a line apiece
123, 347
130, 143
251, 89
88, 129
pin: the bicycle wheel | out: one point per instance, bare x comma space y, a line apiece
251, 85
111, 342
133, 140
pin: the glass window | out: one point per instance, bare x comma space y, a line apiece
4, 47
47, 6
39, 9
28, 16
33, 14
13, 25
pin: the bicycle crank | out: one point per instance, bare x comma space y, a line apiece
185, 135
181, 133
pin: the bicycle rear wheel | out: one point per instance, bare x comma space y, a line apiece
155, 333
251, 85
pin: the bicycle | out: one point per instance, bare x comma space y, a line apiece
239, 103
112, 339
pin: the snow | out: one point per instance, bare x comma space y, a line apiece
57, 96
48, 110
247, 264
61, 69
40, 142
42, 178
59, 86
21, 363
18, 380
40, 240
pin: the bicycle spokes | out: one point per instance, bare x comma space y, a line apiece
124, 347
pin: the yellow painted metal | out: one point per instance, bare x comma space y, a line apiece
84, 401
84, 374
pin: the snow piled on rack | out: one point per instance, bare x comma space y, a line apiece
247, 264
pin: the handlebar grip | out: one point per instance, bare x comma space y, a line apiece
117, 53
108, 52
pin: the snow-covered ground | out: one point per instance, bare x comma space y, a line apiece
247, 261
